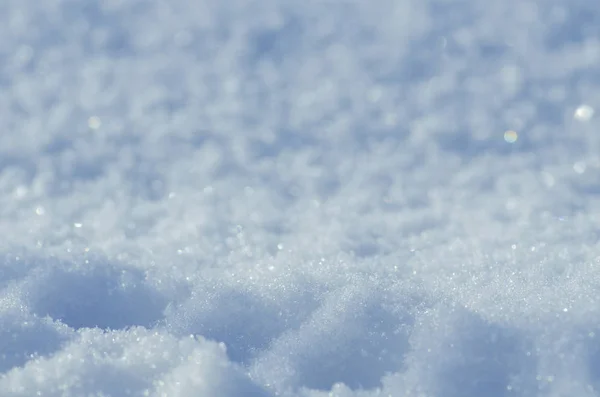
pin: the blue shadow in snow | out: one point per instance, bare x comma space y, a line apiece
99, 295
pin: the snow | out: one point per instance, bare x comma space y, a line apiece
299, 198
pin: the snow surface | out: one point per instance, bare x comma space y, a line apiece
305, 198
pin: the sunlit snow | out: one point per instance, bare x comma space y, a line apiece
299, 198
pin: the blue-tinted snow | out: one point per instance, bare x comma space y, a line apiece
299, 198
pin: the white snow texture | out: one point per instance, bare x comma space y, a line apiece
299, 198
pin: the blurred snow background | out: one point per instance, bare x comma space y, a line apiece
299, 198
